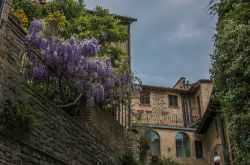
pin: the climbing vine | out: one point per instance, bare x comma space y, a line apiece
231, 72
68, 22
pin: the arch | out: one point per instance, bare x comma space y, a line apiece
182, 141
154, 139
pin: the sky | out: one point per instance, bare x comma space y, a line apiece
171, 38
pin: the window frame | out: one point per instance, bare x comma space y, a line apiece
183, 150
156, 142
199, 152
172, 100
145, 98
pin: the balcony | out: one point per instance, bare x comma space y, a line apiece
163, 119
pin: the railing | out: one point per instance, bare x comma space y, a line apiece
122, 114
195, 119
159, 119
162, 119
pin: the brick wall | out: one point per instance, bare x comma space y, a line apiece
56, 137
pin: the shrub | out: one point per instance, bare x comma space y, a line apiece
128, 158
155, 160
14, 116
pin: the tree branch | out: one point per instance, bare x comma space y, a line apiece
71, 104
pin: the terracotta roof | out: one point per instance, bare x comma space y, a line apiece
160, 88
173, 89
204, 81
125, 18
208, 117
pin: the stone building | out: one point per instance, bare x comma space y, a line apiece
180, 122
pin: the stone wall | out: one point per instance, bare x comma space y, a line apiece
212, 143
168, 146
203, 93
163, 119
206, 91
158, 112
56, 137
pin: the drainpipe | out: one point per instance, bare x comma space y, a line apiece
187, 110
183, 109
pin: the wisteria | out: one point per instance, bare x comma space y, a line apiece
75, 62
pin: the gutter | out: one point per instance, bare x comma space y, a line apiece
166, 127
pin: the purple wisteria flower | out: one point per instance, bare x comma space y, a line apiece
78, 62
89, 47
136, 88
36, 26
90, 102
72, 41
39, 72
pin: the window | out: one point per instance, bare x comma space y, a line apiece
172, 99
154, 143
198, 149
145, 98
182, 145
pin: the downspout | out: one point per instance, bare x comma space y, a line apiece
190, 108
187, 110
183, 109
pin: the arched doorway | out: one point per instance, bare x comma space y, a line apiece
154, 144
182, 145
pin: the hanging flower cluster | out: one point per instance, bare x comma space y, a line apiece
77, 62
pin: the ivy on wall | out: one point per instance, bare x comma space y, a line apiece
16, 116
231, 72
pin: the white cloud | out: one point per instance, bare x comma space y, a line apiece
186, 30
168, 35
